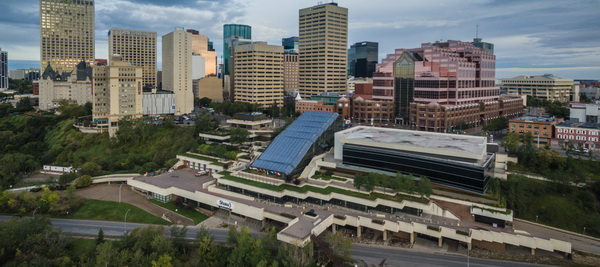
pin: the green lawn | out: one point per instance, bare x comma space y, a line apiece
112, 211
325, 191
195, 215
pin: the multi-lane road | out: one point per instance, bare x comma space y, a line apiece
366, 255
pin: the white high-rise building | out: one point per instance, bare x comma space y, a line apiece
177, 68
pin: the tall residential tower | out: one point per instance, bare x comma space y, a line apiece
323, 46
177, 68
66, 33
137, 48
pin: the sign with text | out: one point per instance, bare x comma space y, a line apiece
224, 204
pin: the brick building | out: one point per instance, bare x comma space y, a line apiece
580, 133
541, 128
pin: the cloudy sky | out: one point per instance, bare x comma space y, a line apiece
530, 36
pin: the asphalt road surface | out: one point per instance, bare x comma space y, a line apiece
366, 255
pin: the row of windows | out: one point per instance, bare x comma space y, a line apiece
576, 137
561, 130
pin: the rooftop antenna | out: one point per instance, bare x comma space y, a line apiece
477, 31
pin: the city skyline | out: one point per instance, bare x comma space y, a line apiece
531, 38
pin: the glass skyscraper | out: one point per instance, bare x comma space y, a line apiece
229, 30
362, 59
290, 44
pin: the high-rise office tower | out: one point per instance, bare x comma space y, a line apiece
290, 44
66, 33
117, 93
290, 71
362, 59
201, 45
323, 46
258, 71
177, 68
231, 30
3, 70
137, 48
229, 79
442, 86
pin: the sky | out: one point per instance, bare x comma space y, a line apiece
531, 37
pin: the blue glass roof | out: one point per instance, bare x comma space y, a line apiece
289, 147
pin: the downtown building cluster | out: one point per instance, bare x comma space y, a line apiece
437, 87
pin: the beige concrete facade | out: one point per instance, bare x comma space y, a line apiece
290, 71
66, 33
137, 48
76, 87
177, 68
546, 87
200, 47
211, 87
117, 93
258, 69
323, 47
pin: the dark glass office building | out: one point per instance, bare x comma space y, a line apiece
362, 59
229, 30
450, 160
290, 44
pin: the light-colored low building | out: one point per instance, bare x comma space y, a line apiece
210, 86
117, 93
580, 112
74, 86
158, 103
547, 87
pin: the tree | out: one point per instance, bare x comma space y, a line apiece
424, 187
239, 136
340, 245
205, 122
100, 237
83, 181
496, 125
205, 102
163, 261
91, 168
24, 105
557, 109
67, 178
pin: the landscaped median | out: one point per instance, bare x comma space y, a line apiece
93, 209
192, 214
325, 191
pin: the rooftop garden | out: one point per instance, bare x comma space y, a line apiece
325, 191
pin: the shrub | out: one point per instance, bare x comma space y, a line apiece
83, 181
341, 217
67, 178
462, 232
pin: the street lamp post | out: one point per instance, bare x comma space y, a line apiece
584, 230
536, 217
126, 220
35, 211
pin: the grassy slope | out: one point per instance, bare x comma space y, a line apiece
196, 216
112, 211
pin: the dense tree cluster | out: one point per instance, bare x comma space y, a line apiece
44, 202
496, 125
221, 151
33, 241
553, 108
29, 141
404, 183
548, 162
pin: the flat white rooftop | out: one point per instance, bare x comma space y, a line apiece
466, 146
